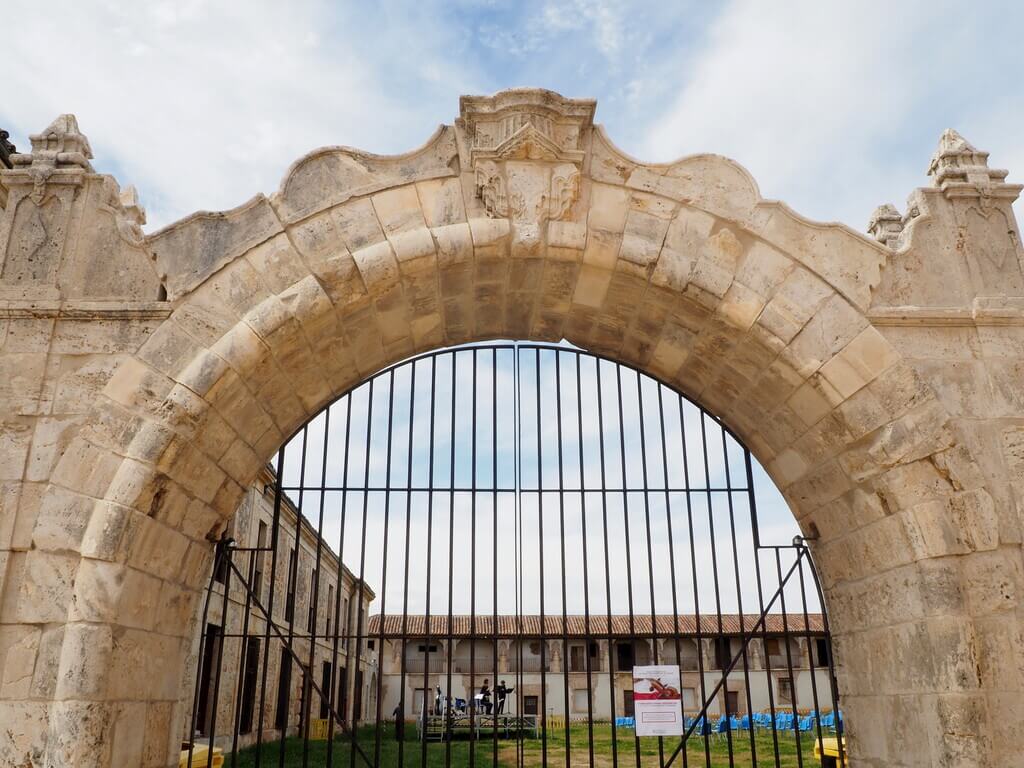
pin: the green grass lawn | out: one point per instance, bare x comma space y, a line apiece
529, 752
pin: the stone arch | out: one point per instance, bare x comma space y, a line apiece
542, 231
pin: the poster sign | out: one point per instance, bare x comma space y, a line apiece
657, 701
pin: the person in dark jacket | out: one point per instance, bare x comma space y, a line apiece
485, 697
502, 692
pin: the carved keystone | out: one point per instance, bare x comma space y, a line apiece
527, 150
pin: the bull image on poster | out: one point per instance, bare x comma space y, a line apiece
657, 701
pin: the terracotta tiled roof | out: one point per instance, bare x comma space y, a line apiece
464, 626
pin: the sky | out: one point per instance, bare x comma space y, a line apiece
834, 107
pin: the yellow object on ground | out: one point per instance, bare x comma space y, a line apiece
318, 729
827, 751
201, 757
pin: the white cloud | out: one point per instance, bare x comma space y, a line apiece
819, 100
201, 105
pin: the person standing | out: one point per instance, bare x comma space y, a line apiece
399, 722
502, 692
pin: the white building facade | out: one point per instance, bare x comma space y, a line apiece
589, 674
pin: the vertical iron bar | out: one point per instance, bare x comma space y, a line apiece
293, 568
335, 676
650, 549
451, 570
384, 568
698, 623
472, 567
269, 618
314, 595
561, 519
540, 563
612, 660
833, 683
400, 726
714, 572
518, 406
240, 686
629, 553
424, 713
789, 658
494, 545
739, 598
760, 602
810, 658
357, 703
671, 553
586, 576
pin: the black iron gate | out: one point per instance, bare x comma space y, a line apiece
463, 560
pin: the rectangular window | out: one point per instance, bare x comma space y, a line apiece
257, 575
577, 659
313, 589
424, 648
330, 606
343, 692
284, 684
344, 621
304, 688
530, 705
249, 680
325, 686
624, 657
357, 697
627, 704
732, 702
211, 661
822, 652
289, 601
785, 689
723, 655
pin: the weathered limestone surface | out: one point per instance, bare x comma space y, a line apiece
144, 381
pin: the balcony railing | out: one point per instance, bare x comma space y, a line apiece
437, 663
480, 665
529, 666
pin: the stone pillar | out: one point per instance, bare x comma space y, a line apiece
951, 301
78, 292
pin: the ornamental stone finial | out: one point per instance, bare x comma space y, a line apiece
886, 224
526, 149
960, 169
60, 150
60, 145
